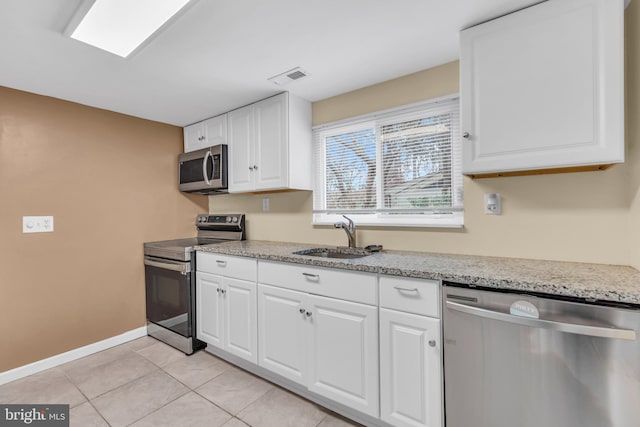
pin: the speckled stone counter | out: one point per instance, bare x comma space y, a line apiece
590, 281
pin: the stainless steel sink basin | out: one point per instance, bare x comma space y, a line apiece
338, 253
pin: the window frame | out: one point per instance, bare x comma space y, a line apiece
381, 217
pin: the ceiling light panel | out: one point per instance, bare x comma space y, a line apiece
120, 26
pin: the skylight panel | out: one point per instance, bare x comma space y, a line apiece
120, 26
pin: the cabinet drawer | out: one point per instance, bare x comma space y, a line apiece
228, 266
343, 284
419, 296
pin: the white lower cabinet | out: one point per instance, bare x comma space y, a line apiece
323, 342
282, 340
343, 352
226, 307
410, 370
209, 309
240, 319
369, 343
226, 314
328, 345
410, 352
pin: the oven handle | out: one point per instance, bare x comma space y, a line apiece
180, 267
204, 167
572, 328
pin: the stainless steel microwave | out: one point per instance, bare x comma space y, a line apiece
203, 171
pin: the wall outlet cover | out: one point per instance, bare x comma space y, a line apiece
492, 204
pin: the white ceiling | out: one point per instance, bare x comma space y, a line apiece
219, 53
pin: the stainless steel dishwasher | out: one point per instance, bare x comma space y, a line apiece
518, 360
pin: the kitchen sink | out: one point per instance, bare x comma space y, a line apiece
338, 253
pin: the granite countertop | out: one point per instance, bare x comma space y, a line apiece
590, 281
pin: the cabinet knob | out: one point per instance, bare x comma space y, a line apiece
255, 167
250, 168
466, 135
218, 290
302, 310
432, 343
308, 313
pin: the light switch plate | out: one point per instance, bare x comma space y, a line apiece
265, 205
37, 224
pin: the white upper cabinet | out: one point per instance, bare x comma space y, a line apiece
270, 145
542, 88
205, 134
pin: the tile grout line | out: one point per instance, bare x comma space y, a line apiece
91, 401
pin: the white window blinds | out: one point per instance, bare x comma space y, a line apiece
397, 167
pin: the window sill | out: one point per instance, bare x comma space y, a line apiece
453, 221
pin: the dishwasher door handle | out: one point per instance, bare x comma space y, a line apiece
572, 328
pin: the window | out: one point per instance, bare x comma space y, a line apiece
398, 167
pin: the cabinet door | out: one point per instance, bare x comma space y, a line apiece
215, 130
542, 88
240, 319
272, 142
209, 309
410, 370
241, 141
193, 137
343, 353
282, 337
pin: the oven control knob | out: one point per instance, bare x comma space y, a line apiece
234, 219
228, 219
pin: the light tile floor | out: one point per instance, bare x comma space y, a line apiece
146, 383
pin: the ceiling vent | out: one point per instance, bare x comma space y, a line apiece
289, 76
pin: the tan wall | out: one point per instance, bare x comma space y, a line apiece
580, 217
110, 182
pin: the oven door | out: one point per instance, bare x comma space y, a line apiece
168, 293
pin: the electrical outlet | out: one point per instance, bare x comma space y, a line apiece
37, 224
265, 205
492, 204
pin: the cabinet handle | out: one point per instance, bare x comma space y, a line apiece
308, 313
466, 135
399, 289
221, 263
302, 310
432, 343
311, 275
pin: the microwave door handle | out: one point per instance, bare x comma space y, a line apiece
204, 167
572, 328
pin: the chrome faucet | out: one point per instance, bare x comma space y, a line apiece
349, 228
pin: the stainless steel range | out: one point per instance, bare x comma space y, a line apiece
170, 279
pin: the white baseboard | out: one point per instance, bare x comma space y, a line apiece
59, 359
